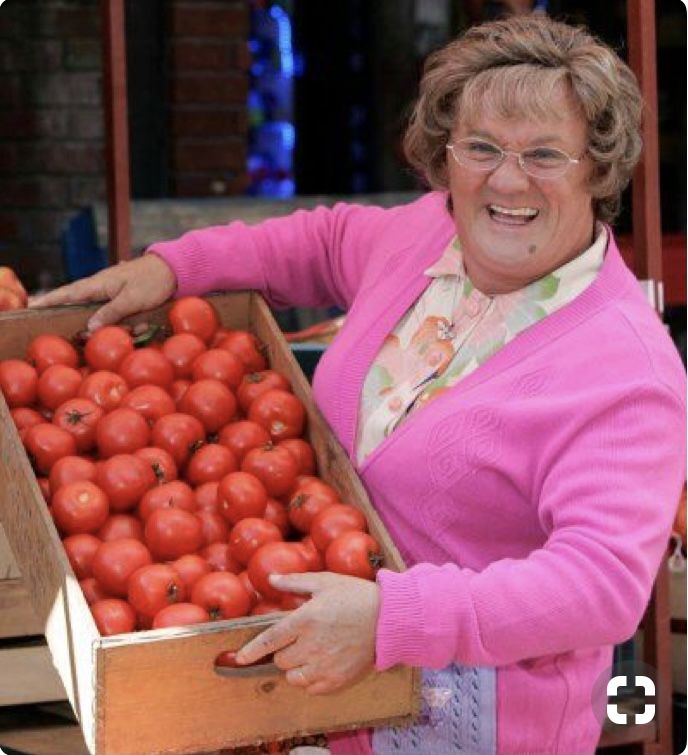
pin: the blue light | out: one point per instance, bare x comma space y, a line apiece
284, 40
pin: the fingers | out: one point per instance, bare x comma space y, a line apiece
112, 312
310, 582
299, 677
270, 641
88, 289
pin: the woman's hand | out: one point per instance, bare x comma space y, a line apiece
128, 288
327, 643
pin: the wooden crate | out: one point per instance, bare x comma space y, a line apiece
157, 691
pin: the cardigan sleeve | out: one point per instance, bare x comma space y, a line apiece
309, 258
606, 502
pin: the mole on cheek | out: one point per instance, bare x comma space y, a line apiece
532, 249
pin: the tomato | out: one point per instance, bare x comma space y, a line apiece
210, 464
44, 485
191, 568
312, 555
180, 615
220, 335
70, 469
18, 382
302, 452
113, 616
119, 526
146, 366
79, 417
47, 349
23, 418
178, 389
125, 478
9, 279
10, 299
180, 351
79, 507
355, 553
104, 388
80, 550
121, 431
172, 532
250, 589
240, 495
46, 444
222, 595
214, 527
219, 557
153, 587
161, 462
280, 413
307, 501
211, 402
179, 434
92, 590
57, 384
247, 348
334, 521
292, 600
191, 314
277, 513
275, 467
169, 495
240, 437
266, 606
274, 558
107, 347
248, 535
216, 364
256, 383
150, 401
206, 496
116, 560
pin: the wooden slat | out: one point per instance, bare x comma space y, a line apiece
37, 730
17, 617
27, 675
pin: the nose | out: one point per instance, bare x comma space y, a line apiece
508, 176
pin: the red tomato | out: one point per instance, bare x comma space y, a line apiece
119, 526
210, 464
250, 589
47, 349
248, 535
214, 526
70, 469
125, 478
113, 616
169, 495
219, 557
79, 507
147, 366
115, 561
180, 615
23, 418
10, 299
179, 434
150, 401
178, 389
256, 383
266, 606
57, 384
274, 558
92, 591
206, 496
312, 555
355, 553
222, 595
191, 314
191, 568
181, 350
302, 452
9, 279
161, 462
121, 431
172, 532
292, 600
220, 335
240, 495
153, 587
277, 513
18, 382
44, 485
280, 413
216, 364
107, 347
80, 550
247, 348
46, 444
211, 402
333, 522
240, 437
307, 501
104, 388
275, 467
79, 417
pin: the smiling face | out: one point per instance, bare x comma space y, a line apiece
515, 228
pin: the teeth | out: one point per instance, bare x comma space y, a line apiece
521, 211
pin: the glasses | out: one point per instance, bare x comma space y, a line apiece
538, 162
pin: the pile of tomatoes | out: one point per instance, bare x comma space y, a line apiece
12, 292
176, 472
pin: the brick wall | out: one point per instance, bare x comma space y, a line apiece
208, 87
51, 128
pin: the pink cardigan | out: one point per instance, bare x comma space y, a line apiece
533, 501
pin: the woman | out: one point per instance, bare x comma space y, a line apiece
511, 402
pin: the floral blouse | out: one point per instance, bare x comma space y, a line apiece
451, 330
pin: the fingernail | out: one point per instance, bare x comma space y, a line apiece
275, 579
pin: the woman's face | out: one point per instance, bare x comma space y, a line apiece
504, 252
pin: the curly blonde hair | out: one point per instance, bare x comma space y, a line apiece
514, 66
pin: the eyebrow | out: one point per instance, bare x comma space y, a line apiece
541, 140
